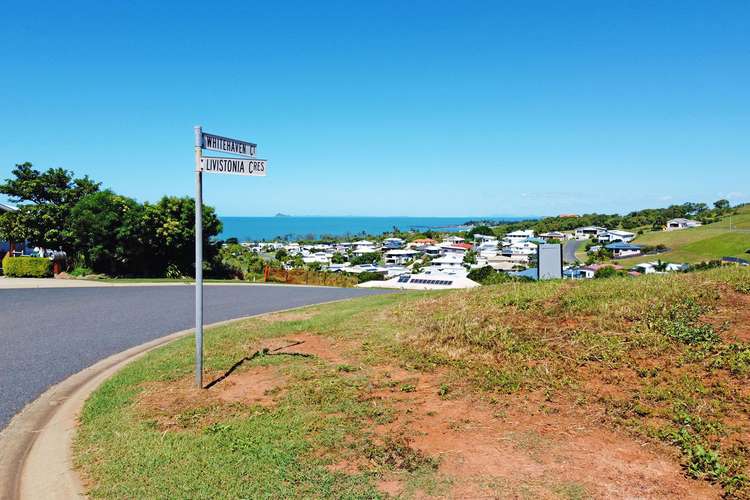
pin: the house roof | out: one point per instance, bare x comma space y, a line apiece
7, 208
618, 232
467, 246
619, 245
682, 220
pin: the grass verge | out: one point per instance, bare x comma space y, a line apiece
662, 359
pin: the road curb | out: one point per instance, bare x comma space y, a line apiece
36, 459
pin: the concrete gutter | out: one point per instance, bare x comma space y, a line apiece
19, 283
36, 460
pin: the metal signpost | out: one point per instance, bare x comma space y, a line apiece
250, 166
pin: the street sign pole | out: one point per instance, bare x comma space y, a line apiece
249, 165
198, 258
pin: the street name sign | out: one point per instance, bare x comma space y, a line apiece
227, 145
234, 166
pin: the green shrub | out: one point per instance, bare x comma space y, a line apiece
27, 267
81, 271
369, 276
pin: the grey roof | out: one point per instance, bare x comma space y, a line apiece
7, 208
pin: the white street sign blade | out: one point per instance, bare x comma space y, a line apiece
227, 145
234, 166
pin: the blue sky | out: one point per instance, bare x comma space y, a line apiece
389, 107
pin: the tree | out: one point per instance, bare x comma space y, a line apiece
365, 258
281, 254
338, 258
239, 261
470, 257
481, 229
721, 204
103, 231
167, 231
47, 199
12, 229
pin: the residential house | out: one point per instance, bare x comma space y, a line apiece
452, 240
589, 232
620, 249
555, 235
400, 256
651, 267
394, 243
483, 239
517, 236
520, 248
613, 235
680, 223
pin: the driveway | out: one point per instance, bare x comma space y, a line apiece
569, 250
48, 334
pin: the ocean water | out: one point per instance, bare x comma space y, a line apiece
269, 228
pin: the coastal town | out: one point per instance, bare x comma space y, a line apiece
452, 261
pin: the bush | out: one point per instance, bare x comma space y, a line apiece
79, 271
369, 276
27, 267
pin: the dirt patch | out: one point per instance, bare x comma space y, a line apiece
310, 344
258, 385
732, 318
179, 405
526, 445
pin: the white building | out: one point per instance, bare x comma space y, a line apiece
483, 239
555, 235
584, 233
400, 257
517, 236
616, 235
520, 248
680, 223
452, 240
423, 281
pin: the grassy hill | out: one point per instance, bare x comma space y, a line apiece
708, 242
630, 388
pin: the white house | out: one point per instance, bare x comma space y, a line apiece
423, 281
555, 235
399, 256
613, 235
483, 239
394, 243
517, 236
452, 240
520, 248
680, 223
446, 248
584, 233
448, 263
431, 250
620, 249
364, 246
650, 267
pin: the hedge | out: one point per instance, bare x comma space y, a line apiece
27, 267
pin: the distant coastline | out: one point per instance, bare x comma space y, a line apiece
309, 227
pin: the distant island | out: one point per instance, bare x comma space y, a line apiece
282, 215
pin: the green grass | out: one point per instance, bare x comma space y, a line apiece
712, 241
681, 381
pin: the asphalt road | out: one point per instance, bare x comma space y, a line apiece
569, 250
49, 334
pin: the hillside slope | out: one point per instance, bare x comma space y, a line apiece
712, 241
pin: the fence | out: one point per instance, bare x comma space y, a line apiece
303, 277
